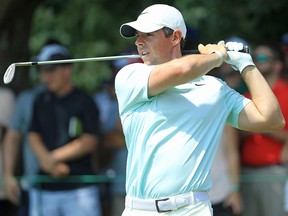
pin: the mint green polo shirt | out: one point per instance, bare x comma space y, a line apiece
172, 138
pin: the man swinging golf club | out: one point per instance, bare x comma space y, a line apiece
173, 114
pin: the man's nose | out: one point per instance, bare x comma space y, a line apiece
139, 41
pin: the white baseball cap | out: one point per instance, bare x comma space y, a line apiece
153, 18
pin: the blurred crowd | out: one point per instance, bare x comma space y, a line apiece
62, 150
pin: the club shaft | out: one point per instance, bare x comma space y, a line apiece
105, 58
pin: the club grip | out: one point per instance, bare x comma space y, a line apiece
189, 52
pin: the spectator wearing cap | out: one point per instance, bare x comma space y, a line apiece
63, 133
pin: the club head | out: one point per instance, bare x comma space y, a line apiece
9, 74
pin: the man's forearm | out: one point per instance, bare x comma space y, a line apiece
263, 98
77, 148
11, 146
38, 146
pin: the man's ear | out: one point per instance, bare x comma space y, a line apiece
176, 37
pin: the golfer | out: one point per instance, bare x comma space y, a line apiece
173, 114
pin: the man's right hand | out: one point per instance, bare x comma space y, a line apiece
218, 49
53, 167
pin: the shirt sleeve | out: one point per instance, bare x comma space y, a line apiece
17, 116
131, 86
235, 104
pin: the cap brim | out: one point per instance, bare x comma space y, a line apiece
128, 30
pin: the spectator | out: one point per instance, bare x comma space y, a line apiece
62, 134
16, 139
6, 107
263, 154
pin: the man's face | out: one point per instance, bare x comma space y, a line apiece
154, 48
54, 79
264, 59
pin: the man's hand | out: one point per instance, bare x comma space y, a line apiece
53, 167
234, 201
238, 60
218, 49
210, 48
12, 189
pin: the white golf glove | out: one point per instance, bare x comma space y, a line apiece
238, 60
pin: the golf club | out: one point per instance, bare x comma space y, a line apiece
10, 72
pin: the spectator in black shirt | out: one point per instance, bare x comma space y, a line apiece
63, 132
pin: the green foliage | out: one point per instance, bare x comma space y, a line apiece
91, 28
82, 27
253, 20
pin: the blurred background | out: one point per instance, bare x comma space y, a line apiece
90, 28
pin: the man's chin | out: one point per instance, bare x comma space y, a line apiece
146, 60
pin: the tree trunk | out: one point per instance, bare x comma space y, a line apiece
15, 25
